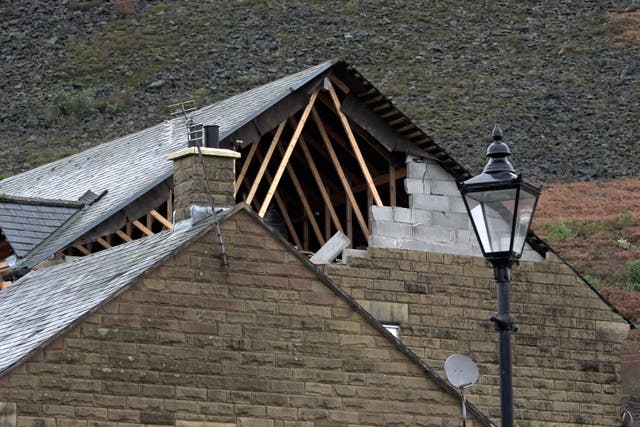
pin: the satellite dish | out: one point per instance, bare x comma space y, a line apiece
461, 371
627, 419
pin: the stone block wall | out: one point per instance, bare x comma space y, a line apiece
436, 219
265, 345
566, 354
189, 184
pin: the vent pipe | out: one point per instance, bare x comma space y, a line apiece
212, 136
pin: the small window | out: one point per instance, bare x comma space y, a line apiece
7, 414
394, 329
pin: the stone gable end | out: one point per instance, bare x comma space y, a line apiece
566, 353
266, 344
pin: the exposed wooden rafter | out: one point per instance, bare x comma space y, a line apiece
265, 162
287, 153
354, 145
343, 179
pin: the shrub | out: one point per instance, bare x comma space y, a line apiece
125, 7
558, 230
633, 270
76, 104
625, 219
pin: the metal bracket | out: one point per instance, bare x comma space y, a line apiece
504, 323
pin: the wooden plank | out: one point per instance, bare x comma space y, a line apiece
283, 208
82, 249
341, 175
103, 243
128, 229
327, 222
369, 203
287, 153
245, 167
349, 220
149, 221
170, 207
341, 85
392, 185
379, 180
3, 285
303, 199
142, 228
264, 163
123, 236
162, 220
354, 146
316, 176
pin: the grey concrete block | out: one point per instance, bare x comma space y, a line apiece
402, 215
465, 236
444, 187
331, 249
456, 204
439, 219
381, 213
420, 216
459, 220
396, 230
382, 242
435, 171
430, 233
416, 170
414, 186
429, 202
411, 158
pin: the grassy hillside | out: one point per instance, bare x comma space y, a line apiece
561, 77
596, 227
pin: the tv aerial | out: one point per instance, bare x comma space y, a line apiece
462, 373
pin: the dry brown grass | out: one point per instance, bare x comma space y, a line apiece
628, 24
604, 223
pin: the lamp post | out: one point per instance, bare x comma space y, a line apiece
500, 206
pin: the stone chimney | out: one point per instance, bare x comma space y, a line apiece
188, 179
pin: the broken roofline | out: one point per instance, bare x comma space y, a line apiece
199, 230
276, 104
41, 202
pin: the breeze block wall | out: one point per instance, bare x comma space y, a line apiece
265, 345
436, 219
566, 354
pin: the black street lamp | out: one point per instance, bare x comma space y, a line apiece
501, 207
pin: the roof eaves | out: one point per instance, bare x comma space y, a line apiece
30, 261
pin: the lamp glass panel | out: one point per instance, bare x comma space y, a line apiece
492, 213
525, 212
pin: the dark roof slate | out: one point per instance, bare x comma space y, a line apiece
26, 224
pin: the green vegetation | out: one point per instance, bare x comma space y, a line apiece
76, 104
557, 231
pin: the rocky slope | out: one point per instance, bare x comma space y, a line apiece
561, 77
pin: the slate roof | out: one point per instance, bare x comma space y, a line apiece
26, 223
127, 167
43, 304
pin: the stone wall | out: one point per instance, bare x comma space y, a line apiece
566, 354
436, 219
265, 345
189, 187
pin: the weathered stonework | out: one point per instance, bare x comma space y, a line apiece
190, 345
189, 184
566, 353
